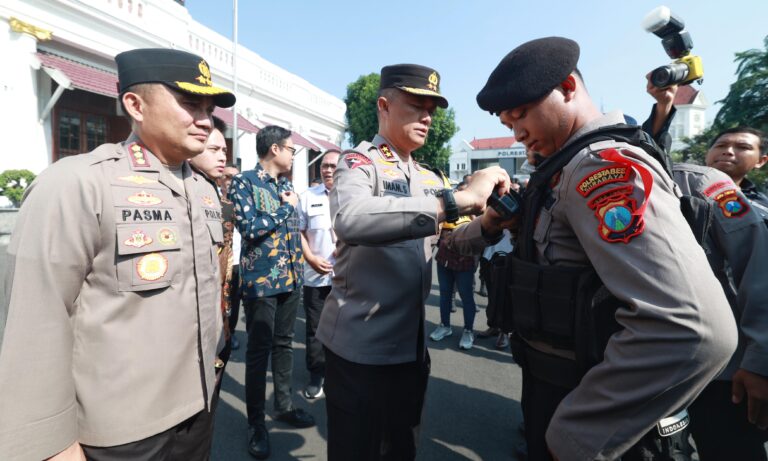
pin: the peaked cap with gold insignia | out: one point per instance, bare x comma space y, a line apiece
414, 79
179, 70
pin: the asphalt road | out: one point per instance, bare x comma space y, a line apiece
472, 410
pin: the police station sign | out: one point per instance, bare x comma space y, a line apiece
512, 153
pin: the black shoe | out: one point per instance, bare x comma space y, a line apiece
314, 389
488, 333
258, 443
297, 418
234, 342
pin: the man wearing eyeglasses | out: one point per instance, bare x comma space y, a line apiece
271, 273
319, 244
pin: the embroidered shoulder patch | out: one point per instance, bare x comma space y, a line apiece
354, 160
731, 204
596, 179
617, 214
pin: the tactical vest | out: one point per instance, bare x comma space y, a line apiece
569, 307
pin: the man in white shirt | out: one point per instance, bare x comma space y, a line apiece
319, 244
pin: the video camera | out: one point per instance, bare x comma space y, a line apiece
677, 43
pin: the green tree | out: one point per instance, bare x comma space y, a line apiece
13, 183
747, 100
363, 124
746, 104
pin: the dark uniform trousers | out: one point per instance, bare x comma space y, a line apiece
188, 440
235, 296
314, 298
374, 411
721, 429
541, 398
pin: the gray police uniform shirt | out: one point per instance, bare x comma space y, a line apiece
737, 248
111, 303
384, 212
615, 208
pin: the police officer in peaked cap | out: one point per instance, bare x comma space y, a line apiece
113, 265
387, 209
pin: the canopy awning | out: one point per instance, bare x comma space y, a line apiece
326, 145
82, 76
226, 116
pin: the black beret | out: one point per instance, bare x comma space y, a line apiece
414, 79
528, 73
182, 71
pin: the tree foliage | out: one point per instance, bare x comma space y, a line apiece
363, 124
13, 183
746, 104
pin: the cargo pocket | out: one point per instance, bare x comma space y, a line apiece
148, 256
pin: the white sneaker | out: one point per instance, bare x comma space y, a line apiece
467, 340
440, 333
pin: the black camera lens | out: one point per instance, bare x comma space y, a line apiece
672, 74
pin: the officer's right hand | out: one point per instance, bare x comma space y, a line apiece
472, 199
73, 453
289, 197
755, 387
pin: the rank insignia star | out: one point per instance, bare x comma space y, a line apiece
138, 156
387, 152
138, 239
208, 201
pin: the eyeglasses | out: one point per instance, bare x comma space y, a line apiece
289, 148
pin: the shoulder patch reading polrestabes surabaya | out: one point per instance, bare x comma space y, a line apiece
598, 178
617, 215
355, 160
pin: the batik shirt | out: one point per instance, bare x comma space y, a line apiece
271, 261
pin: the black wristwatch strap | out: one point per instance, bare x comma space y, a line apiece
449, 202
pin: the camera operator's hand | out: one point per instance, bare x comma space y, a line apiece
665, 99
472, 199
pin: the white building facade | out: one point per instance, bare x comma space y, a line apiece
691, 117
477, 154
56, 84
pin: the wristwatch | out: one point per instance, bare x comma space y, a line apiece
449, 203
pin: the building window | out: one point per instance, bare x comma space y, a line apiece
79, 132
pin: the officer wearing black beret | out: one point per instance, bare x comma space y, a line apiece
619, 321
115, 254
387, 209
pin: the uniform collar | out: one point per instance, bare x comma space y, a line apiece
140, 158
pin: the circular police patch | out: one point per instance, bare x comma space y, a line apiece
152, 266
617, 218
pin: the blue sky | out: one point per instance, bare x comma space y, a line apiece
331, 43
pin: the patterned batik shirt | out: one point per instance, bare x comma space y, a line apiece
271, 261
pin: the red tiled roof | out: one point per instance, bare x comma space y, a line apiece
82, 75
325, 144
242, 122
493, 143
685, 95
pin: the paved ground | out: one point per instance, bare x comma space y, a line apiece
472, 410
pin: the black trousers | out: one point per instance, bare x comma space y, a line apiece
269, 323
188, 440
314, 298
721, 429
539, 401
374, 411
235, 296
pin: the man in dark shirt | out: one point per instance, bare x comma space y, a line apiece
271, 275
736, 152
